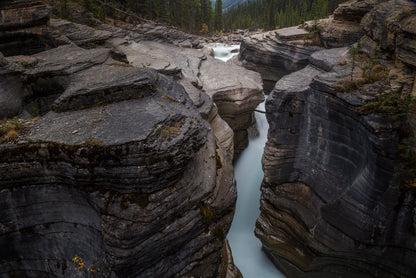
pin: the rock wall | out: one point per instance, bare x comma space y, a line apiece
274, 55
103, 180
332, 204
24, 27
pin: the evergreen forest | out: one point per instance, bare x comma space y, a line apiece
200, 16
273, 14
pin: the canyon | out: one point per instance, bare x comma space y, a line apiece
117, 145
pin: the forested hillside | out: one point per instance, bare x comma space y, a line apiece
270, 14
199, 16
196, 16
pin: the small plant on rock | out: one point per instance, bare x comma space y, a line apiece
11, 129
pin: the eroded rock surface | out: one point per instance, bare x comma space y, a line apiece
272, 57
121, 173
235, 90
109, 184
331, 204
23, 27
344, 27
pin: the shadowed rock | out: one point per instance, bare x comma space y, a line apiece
392, 26
331, 204
115, 185
23, 27
125, 178
344, 28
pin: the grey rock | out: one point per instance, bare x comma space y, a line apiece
116, 185
106, 84
327, 59
81, 35
67, 59
3, 61
330, 175
344, 28
22, 15
291, 33
271, 57
11, 96
392, 26
340, 33
23, 27
354, 11
236, 91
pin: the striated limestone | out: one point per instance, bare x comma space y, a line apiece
115, 184
23, 27
106, 174
271, 57
235, 90
81, 35
344, 28
391, 26
331, 204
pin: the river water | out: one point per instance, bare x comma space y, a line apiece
247, 253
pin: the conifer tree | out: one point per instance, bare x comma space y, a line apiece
218, 15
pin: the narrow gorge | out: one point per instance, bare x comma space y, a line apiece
119, 139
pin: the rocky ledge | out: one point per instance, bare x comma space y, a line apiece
332, 203
235, 90
98, 159
274, 54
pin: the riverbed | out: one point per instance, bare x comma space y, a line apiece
246, 248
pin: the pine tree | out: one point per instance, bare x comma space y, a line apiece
218, 15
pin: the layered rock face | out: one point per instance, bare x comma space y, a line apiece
110, 177
344, 27
103, 182
331, 201
235, 91
23, 27
273, 55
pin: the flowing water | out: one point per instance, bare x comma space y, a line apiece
224, 52
247, 253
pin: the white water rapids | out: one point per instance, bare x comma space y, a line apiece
246, 248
